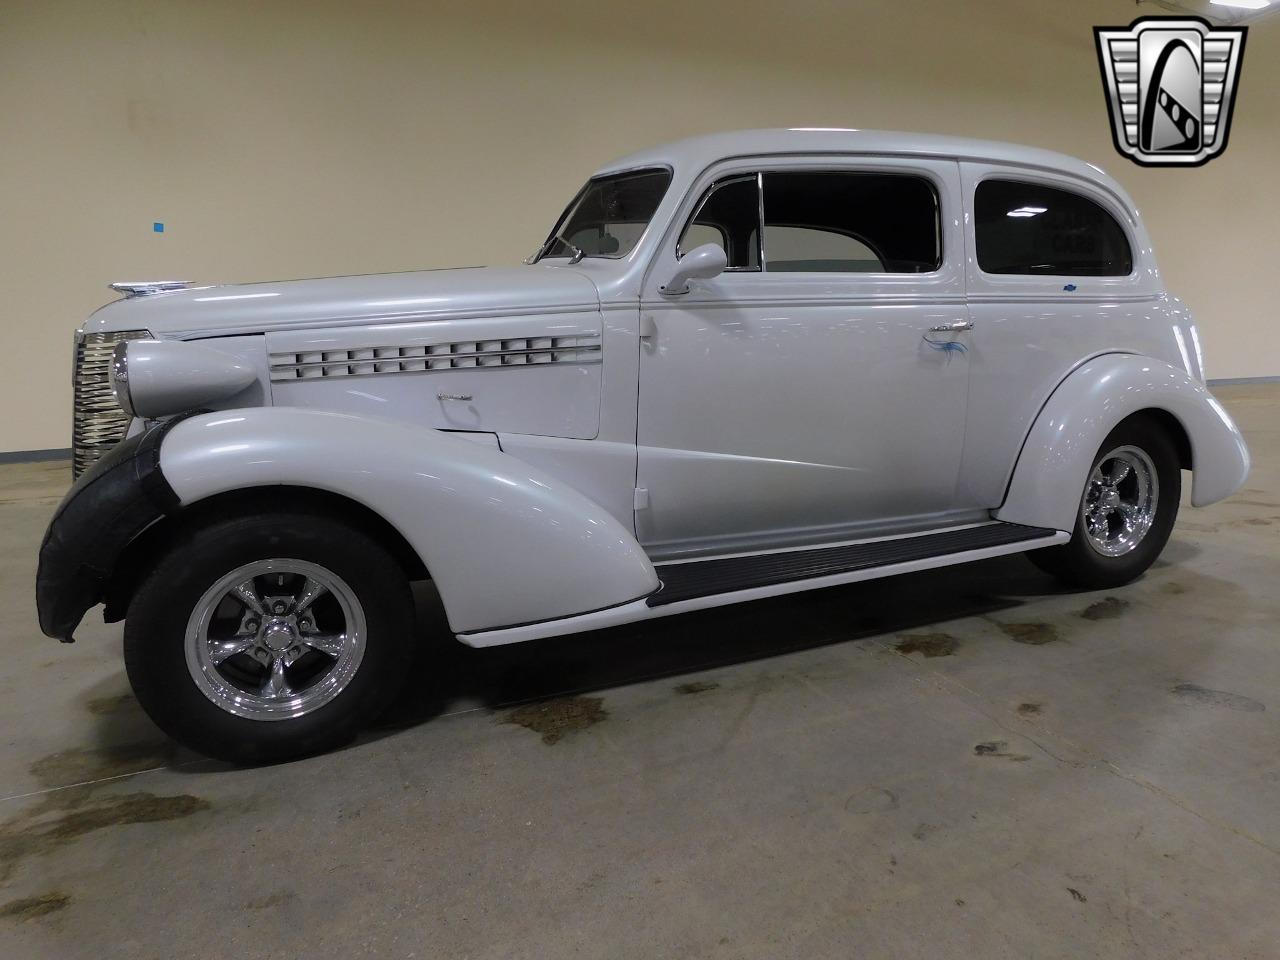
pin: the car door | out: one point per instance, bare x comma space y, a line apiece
816, 389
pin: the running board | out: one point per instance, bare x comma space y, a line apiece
690, 579
689, 585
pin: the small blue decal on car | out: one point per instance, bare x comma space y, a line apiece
947, 346
1071, 288
157, 227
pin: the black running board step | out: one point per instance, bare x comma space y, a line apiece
704, 578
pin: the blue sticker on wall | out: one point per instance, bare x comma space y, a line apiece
157, 227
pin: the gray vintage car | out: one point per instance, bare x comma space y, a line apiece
738, 366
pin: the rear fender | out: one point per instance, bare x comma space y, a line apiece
1058, 454
504, 543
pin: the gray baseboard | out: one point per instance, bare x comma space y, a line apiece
1228, 381
35, 456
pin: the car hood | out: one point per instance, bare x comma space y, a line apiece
373, 298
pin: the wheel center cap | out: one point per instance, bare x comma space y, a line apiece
278, 636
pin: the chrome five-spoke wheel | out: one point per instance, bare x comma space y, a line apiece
277, 630
275, 639
1120, 501
1127, 510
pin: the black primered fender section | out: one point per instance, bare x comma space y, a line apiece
110, 505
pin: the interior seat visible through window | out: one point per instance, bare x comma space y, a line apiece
850, 222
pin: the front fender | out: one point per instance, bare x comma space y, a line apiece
505, 543
1054, 465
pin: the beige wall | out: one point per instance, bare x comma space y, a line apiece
303, 138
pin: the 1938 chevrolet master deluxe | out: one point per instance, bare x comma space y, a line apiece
740, 365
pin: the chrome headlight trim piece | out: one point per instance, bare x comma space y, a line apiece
119, 376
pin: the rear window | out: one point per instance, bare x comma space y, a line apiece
1029, 229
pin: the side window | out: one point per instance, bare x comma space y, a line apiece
1029, 229
729, 214
837, 222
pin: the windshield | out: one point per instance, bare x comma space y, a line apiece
608, 215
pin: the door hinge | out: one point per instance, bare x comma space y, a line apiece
641, 501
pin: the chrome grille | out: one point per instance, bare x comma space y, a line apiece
441, 356
98, 423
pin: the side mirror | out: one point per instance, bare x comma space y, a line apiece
700, 263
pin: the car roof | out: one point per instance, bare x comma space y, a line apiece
697, 153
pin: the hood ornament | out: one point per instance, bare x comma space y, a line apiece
145, 288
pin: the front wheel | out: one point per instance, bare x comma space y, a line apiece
1127, 510
270, 636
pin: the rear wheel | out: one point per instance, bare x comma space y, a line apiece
269, 636
1127, 509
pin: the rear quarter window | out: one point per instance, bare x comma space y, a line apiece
1030, 229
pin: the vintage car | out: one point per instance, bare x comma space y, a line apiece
739, 366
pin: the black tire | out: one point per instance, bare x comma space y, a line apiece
156, 628
1078, 562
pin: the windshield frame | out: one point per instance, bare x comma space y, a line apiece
543, 250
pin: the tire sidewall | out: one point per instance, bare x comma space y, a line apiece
1092, 568
155, 635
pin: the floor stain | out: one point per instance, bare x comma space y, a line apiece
923, 830
1032, 634
871, 800
81, 765
1077, 896
271, 900
1217, 698
65, 815
697, 686
556, 718
1000, 750
28, 908
1173, 588
1029, 709
1106, 609
929, 644
103, 706
120, 810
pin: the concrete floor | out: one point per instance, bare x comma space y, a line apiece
1069, 775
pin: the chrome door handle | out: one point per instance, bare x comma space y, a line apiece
960, 326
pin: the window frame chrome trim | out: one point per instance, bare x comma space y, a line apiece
926, 177
702, 201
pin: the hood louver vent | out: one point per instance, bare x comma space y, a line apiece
441, 356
